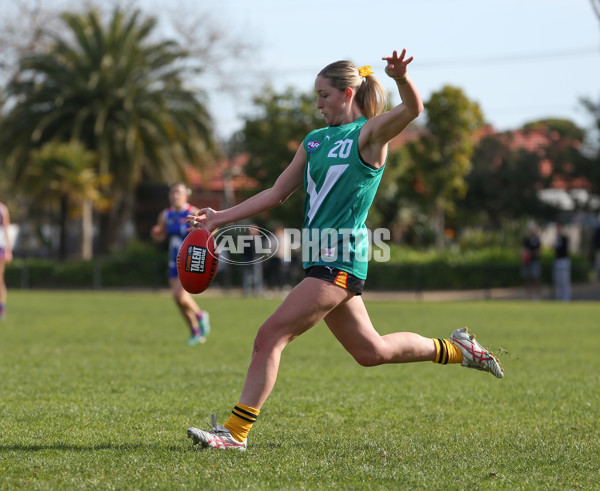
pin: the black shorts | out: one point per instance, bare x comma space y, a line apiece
337, 277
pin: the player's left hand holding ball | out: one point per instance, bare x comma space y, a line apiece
203, 219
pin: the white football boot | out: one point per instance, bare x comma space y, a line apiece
475, 355
219, 437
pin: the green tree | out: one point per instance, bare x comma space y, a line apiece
565, 130
571, 168
591, 166
117, 92
507, 175
571, 165
503, 184
271, 137
441, 158
397, 206
63, 176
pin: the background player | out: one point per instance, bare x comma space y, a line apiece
172, 225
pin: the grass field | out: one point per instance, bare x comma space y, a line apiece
97, 390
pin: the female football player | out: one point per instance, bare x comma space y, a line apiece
340, 167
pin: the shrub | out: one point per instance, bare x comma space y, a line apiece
145, 266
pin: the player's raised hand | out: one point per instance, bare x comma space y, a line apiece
396, 65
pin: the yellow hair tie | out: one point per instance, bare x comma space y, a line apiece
365, 71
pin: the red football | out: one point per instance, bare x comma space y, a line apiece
197, 261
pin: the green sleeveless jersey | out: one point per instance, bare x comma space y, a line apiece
339, 188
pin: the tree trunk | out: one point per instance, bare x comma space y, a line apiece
64, 216
87, 231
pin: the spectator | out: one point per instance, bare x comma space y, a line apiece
562, 266
252, 268
278, 266
596, 247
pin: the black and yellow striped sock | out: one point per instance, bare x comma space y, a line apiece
241, 420
446, 352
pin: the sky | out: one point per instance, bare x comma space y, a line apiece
521, 60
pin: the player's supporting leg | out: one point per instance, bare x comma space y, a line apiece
347, 318
304, 307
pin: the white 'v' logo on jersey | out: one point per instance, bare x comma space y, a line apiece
315, 199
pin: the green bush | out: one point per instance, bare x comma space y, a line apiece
439, 275
145, 266
453, 269
140, 266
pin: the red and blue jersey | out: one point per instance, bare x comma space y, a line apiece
176, 228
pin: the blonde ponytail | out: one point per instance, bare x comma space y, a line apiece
371, 97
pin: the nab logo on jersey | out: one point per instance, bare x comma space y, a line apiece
312, 145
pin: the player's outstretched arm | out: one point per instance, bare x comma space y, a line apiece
159, 232
289, 180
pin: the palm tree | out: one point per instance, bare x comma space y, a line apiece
596, 7
119, 94
63, 175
